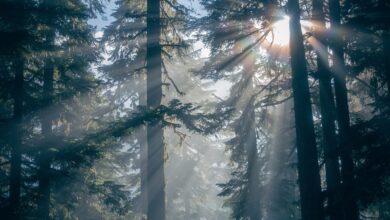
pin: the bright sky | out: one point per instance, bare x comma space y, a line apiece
101, 21
281, 32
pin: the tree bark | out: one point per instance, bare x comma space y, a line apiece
16, 151
327, 115
308, 169
45, 157
347, 167
155, 139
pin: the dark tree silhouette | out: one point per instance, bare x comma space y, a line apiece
308, 169
155, 169
328, 114
339, 72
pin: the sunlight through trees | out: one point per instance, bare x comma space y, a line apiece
198, 109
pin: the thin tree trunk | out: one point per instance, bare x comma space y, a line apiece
308, 169
46, 124
16, 151
327, 115
143, 171
143, 157
45, 157
253, 193
155, 139
280, 196
347, 167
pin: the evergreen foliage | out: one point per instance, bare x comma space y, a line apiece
194, 110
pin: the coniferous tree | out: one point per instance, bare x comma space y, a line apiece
36, 38
235, 38
327, 111
51, 17
308, 169
339, 72
46, 121
17, 34
80, 139
364, 24
159, 33
281, 193
16, 152
155, 178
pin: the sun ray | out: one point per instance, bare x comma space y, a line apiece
280, 32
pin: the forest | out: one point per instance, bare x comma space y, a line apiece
194, 109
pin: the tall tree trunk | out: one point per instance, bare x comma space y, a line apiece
45, 157
16, 151
280, 195
327, 115
155, 139
347, 167
308, 169
253, 191
46, 121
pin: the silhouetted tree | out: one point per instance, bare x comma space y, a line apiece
308, 169
339, 72
328, 115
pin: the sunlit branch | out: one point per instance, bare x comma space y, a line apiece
266, 103
173, 26
266, 86
171, 80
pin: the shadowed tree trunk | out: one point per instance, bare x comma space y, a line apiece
327, 114
155, 140
308, 169
16, 151
347, 167
46, 123
253, 193
44, 157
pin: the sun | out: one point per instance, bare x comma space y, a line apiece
280, 34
